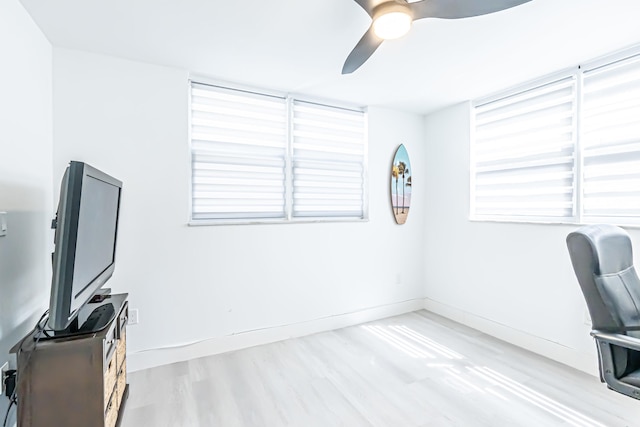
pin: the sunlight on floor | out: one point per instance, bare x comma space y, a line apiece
397, 341
432, 345
460, 373
519, 390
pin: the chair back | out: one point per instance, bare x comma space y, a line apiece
602, 259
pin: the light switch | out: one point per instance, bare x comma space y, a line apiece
3, 224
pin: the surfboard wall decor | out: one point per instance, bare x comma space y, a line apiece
401, 185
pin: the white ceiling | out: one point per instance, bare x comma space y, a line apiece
299, 46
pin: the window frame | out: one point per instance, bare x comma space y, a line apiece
289, 176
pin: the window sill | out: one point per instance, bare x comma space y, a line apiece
203, 222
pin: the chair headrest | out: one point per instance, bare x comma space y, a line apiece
610, 247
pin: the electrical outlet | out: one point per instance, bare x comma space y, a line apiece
133, 316
4, 369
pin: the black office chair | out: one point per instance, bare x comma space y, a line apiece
602, 260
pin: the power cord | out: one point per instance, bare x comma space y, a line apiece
13, 401
13, 398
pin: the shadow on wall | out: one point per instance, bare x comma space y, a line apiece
25, 271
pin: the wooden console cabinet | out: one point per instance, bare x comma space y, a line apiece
75, 381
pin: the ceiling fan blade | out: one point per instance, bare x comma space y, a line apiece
363, 50
454, 9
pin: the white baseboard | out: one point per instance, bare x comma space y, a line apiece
571, 357
163, 356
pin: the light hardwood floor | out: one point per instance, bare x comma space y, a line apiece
416, 369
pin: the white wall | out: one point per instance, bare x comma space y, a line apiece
191, 284
25, 175
512, 280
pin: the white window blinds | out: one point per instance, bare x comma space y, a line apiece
238, 146
259, 158
328, 161
523, 155
610, 141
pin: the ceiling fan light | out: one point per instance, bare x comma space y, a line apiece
392, 25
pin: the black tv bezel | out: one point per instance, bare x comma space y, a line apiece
64, 305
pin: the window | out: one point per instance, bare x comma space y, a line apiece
328, 168
524, 153
565, 150
611, 141
238, 154
261, 158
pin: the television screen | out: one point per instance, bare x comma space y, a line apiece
85, 242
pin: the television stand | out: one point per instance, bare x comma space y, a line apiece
79, 379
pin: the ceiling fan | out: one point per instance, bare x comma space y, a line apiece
393, 18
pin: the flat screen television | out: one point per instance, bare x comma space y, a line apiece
85, 240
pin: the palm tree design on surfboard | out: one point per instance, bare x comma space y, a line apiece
401, 185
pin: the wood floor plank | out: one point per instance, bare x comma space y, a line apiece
415, 370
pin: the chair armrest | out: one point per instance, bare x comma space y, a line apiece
617, 339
